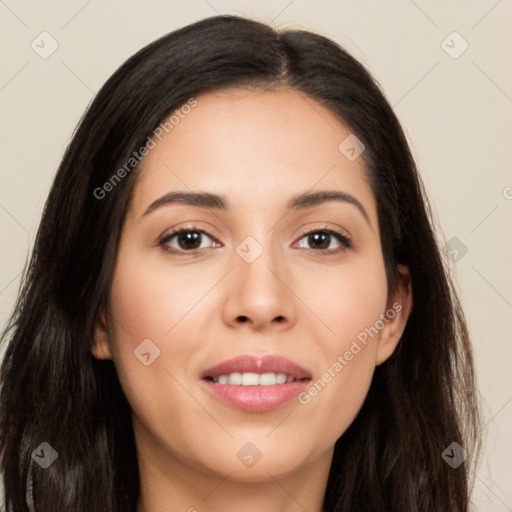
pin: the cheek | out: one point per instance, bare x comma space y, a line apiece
150, 298
350, 301
155, 308
150, 307
351, 307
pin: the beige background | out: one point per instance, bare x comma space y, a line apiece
457, 113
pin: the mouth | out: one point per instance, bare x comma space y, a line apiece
256, 384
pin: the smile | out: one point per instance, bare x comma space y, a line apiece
256, 384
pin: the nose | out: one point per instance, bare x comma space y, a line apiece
260, 294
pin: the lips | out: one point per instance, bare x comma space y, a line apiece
256, 384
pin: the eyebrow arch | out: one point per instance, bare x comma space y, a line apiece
219, 202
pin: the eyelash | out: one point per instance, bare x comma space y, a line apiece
344, 240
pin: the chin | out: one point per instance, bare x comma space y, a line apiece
246, 464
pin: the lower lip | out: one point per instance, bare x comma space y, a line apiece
256, 398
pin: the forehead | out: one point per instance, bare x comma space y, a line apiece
253, 146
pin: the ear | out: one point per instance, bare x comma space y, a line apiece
397, 313
101, 344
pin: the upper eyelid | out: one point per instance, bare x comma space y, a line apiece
176, 231
324, 227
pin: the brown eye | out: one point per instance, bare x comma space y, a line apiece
185, 240
321, 240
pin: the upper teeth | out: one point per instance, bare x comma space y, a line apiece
254, 379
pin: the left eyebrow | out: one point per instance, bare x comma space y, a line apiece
219, 202
308, 200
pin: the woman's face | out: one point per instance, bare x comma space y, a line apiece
248, 281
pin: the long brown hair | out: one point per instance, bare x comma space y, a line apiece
421, 400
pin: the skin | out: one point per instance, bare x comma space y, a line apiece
258, 149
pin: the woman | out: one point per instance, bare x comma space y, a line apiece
308, 353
